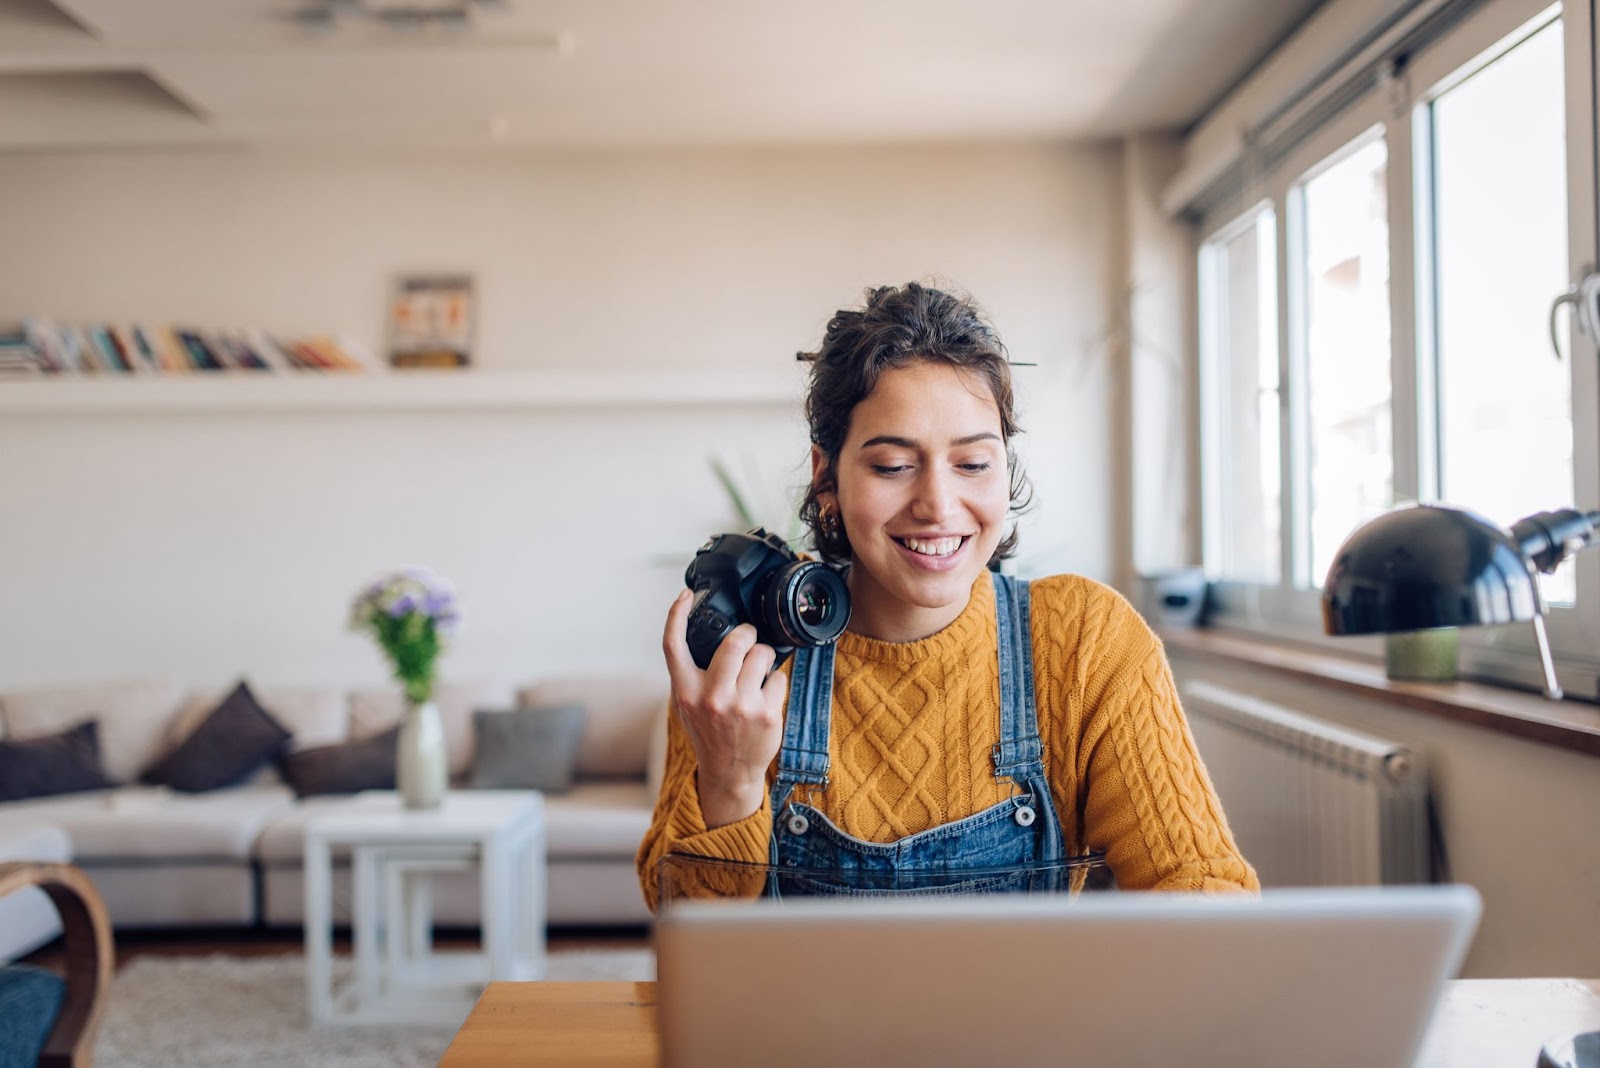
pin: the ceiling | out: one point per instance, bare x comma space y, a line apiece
78, 74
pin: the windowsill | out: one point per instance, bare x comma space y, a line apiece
1573, 725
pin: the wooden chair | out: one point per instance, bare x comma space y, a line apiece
87, 942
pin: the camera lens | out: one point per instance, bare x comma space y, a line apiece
811, 604
804, 603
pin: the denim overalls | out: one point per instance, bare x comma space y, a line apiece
1008, 846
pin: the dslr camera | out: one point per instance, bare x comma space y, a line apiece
756, 578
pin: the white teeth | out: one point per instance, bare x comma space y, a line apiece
932, 546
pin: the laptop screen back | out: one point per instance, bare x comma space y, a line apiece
1333, 977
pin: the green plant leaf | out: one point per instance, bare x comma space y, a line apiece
731, 488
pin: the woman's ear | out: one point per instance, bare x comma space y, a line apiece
820, 475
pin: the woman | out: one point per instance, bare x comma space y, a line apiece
944, 746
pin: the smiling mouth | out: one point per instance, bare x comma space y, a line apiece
935, 547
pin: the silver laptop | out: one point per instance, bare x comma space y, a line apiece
1327, 977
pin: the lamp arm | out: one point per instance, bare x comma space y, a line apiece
1547, 538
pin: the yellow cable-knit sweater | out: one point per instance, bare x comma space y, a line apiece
915, 725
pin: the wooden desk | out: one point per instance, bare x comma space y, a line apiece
1503, 1022
581, 1024
1482, 1023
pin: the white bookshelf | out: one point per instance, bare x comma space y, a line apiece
208, 393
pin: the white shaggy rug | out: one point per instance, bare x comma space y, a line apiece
177, 1012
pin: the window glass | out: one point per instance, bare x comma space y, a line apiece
1346, 270
1242, 524
1500, 223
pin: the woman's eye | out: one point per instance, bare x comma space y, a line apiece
975, 468
890, 469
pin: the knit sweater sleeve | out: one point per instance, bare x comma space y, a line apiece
677, 826
1145, 795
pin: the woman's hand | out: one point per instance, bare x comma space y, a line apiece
732, 711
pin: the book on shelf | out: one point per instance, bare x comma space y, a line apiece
267, 347
81, 351
109, 349
167, 354
42, 345
17, 356
201, 355
332, 354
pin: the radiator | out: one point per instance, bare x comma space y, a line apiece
1311, 803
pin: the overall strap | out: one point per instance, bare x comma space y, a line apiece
1018, 756
804, 755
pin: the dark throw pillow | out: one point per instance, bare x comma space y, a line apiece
527, 748
64, 763
236, 740
347, 768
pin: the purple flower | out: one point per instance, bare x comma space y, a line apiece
397, 596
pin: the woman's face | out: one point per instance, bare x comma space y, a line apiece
923, 490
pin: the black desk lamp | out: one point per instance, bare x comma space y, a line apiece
1422, 566
1425, 565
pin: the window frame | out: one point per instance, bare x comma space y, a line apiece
1397, 108
1216, 475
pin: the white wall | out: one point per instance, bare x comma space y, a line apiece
206, 545
1160, 286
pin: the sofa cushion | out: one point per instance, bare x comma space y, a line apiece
134, 718
228, 746
597, 819
154, 823
527, 748
594, 819
63, 763
27, 917
282, 838
21, 839
313, 716
619, 713
347, 768
375, 711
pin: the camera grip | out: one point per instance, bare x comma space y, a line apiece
706, 629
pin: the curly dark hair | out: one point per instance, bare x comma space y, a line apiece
897, 326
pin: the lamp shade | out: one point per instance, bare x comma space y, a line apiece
1427, 565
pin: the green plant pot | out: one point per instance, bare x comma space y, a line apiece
1422, 655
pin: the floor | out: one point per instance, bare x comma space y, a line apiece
235, 942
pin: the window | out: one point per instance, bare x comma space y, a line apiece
1405, 239
1239, 302
1499, 197
1350, 468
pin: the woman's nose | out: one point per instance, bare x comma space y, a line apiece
935, 498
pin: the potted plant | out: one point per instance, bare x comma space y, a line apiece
412, 613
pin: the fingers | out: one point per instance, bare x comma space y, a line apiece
753, 672
774, 690
674, 640
722, 677
738, 681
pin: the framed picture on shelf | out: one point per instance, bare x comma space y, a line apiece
431, 322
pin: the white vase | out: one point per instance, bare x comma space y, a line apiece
422, 768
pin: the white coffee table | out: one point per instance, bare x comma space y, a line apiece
394, 853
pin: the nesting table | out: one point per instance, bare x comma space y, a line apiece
394, 854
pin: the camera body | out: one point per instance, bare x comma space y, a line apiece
756, 578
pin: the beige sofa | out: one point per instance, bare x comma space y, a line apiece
233, 856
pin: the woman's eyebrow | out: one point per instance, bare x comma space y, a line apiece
907, 443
